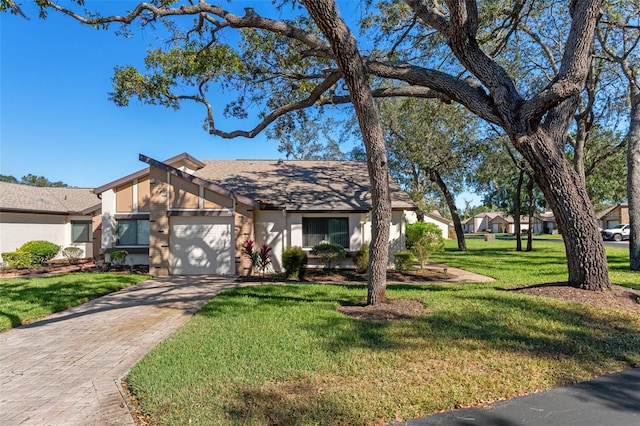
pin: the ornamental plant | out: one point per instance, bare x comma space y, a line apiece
72, 254
260, 259
329, 253
423, 239
361, 259
40, 251
294, 261
17, 260
118, 257
403, 261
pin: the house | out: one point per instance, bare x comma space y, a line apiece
183, 216
480, 222
499, 222
445, 225
64, 216
614, 216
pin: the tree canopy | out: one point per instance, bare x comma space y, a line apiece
483, 55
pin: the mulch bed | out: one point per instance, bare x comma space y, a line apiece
618, 298
350, 276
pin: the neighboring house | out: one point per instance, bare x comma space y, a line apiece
614, 216
480, 222
445, 225
64, 216
499, 222
184, 216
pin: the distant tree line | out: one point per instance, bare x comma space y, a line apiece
32, 180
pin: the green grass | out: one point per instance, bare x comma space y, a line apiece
283, 354
25, 299
545, 264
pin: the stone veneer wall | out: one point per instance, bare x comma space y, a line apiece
244, 231
158, 224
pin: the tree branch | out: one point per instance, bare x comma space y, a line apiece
313, 98
575, 63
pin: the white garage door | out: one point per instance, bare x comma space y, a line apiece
202, 245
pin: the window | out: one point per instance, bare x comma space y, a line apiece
325, 229
133, 232
81, 231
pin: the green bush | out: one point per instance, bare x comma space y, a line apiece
72, 254
329, 254
118, 257
403, 260
423, 239
17, 259
40, 251
294, 261
361, 259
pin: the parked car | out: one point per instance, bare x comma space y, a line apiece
617, 233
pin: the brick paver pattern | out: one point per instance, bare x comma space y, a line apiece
66, 369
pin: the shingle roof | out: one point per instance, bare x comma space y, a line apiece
300, 185
18, 197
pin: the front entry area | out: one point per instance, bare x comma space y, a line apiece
202, 246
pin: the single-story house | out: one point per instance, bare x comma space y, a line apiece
614, 216
480, 222
499, 222
445, 225
64, 216
184, 216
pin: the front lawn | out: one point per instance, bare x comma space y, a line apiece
283, 354
26, 299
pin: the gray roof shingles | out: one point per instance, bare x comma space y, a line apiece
18, 197
300, 185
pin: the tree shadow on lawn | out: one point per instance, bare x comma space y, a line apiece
57, 293
475, 319
293, 403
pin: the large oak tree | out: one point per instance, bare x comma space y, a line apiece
308, 59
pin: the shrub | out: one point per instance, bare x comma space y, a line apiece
403, 260
118, 257
72, 254
248, 248
260, 259
40, 251
17, 259
264, 259
329, 253
423, 239
294, 261
361, 259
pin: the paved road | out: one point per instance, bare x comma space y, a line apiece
66, 368
612, 400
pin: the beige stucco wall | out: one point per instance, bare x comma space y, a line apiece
280, 230
411, 217
19, 228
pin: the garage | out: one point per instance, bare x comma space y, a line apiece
202, 246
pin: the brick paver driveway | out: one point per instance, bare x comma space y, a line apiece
65, 369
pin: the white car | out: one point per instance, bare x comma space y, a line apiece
617, 233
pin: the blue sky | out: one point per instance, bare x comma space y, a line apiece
55, 117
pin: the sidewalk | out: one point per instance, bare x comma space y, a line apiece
608, 400
66, 368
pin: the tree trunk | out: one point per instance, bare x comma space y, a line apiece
516, 211
451, 203
343, 46
568, 198
633, 180
530, 213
